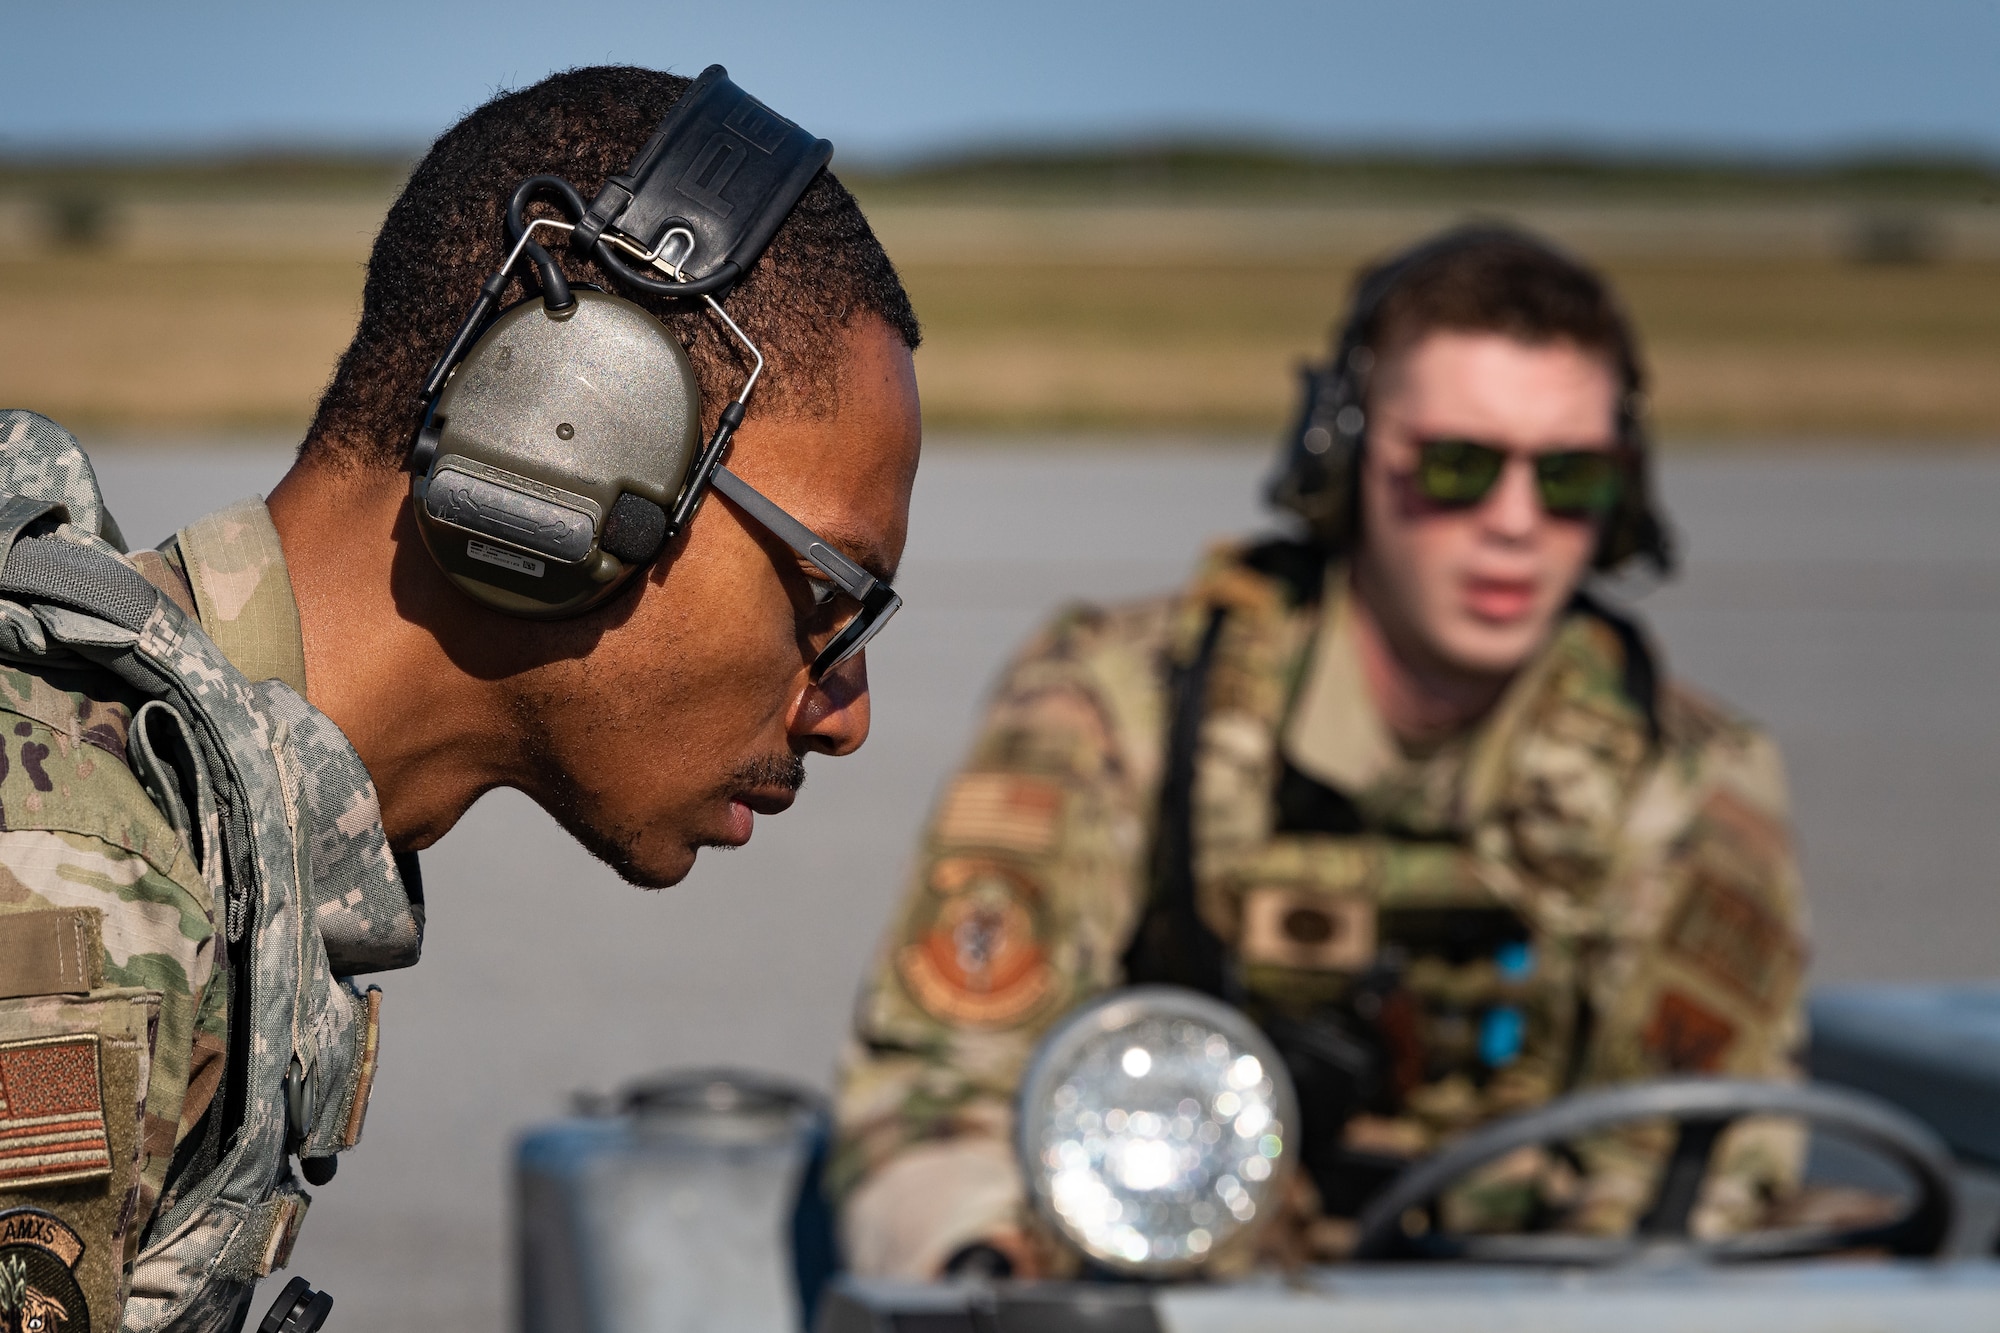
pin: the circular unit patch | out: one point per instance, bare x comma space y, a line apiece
38, 1287
978, 954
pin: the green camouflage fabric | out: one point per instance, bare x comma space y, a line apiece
221, 832
1649, 877
80, 832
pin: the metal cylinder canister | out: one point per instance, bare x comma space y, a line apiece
690, 1201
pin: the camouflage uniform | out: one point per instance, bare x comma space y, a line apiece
1619, 851
188, 855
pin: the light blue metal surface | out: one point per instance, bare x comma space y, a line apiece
1932, 1050
1794, 1298
1862, 1297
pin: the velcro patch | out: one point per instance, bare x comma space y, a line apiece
54, 952
364, 1076
52, 1112
1687, 1037
1001, 810
1732, 937
977, 954
1292, 928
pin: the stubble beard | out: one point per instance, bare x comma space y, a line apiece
572, 806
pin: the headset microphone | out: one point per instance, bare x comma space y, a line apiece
560, 447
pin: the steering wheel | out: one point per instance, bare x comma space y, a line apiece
1701, 1110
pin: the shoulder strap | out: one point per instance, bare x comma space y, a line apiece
1173, 945
49, 570
243, 592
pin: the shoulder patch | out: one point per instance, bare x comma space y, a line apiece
52, 1127
38, 1286
1733, 938
1001, 810
1686, 1036
977, 951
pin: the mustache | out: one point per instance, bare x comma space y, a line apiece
786, 771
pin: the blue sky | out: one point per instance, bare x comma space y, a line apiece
888, 78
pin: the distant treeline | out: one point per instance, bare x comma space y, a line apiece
300, 171
1271, 171
1259, 171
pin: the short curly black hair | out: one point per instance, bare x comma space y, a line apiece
445, 233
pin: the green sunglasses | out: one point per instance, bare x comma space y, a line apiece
1572, 483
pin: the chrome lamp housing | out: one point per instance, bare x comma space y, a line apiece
1155, 1130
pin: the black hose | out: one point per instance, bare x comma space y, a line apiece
555, 287
468, 330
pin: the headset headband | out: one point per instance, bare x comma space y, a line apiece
706, 193
700, 202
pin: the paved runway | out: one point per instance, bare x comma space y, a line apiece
1850, 601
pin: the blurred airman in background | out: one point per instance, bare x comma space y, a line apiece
1399, 786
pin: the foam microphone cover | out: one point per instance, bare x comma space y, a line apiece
634, 529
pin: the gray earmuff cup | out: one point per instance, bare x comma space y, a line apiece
542, 427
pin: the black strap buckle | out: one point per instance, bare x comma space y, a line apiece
707, 192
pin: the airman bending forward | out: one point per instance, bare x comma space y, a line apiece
220, 759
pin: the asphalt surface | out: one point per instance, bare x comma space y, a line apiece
1850, 601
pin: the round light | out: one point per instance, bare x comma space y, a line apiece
1154, 1129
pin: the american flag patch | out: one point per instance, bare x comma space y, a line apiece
51, 1112
1001, 810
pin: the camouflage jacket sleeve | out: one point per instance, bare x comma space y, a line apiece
1028, 878
78, 831
1704, 948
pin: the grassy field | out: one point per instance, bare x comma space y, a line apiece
1047, 307
1759, 346
196, 345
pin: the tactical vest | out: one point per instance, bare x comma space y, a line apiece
1427, 975
284, 822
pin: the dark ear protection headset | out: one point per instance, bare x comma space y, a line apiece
560, 447
1319, 476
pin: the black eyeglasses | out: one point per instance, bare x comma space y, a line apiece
878, 601
1572, 483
